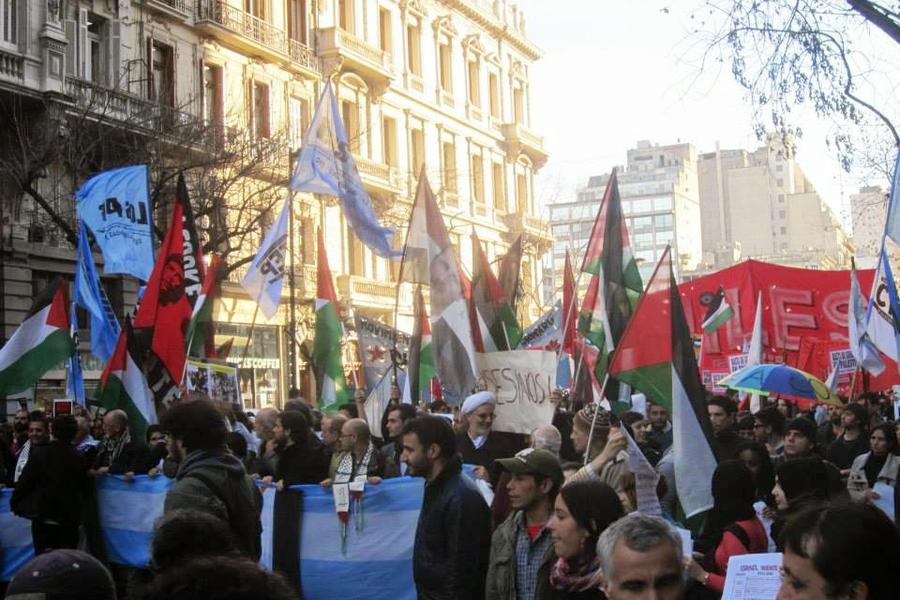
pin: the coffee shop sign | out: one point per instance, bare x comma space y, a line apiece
252, 362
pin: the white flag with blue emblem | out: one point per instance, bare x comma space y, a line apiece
265, 276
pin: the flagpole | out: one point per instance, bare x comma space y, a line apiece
292, 326
587, 451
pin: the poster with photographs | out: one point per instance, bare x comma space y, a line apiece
219, 380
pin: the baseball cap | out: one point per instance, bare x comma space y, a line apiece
62, 575
534, 462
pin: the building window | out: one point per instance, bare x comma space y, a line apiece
780, 214
519, 104
96, 63
212, 96
478, 178
257, 8
783, 230
384, 30
261, 115
356, 254
345, 15
8, 17
474, 86
521, 193
498, 187
417, 142
414, 49
446, 68
350, 116
494, 93
781, 198
779, 182
389, 141
297, 21
448, 157
162, 73
298, 114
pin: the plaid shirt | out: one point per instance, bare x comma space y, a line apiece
529, 558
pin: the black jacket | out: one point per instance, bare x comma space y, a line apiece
134, 457
453, 538
52, 485
301, 464
496, 446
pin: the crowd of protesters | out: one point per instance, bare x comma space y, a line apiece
562, 520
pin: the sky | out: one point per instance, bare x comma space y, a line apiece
618, 71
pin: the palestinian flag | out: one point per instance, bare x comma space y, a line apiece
655, 355
510, 267
421, 354
123, 385
327, 343
201, 331
429, 258
489, 299
717, 313
41, 342
593, 324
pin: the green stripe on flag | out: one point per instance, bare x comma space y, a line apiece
28, 368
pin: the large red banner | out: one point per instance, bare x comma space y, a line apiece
804, 317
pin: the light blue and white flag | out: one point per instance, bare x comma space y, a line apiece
864, 351
265, 277
128, 512
326, 166
378, 559
15, 539
892, 226
882, 324
89, 295
544, 333
115, 205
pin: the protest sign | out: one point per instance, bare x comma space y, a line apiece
753, 577
843, 361
736, 362
522, 381
218, 380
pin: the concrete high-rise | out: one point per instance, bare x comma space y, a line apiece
868, 211
761, 205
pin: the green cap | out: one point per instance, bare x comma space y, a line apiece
534, 462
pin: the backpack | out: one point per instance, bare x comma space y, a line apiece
243, 521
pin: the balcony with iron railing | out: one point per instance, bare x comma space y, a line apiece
247, 32
534, 229
117, 105
363, 291
176, 9
369, 61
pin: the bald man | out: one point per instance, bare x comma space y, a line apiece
119, 454
357, 456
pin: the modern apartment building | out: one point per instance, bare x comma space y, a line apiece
868, 210
439, 83
658, 188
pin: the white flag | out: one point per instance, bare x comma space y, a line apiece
861, 346
755, 353
881, 325
265, 276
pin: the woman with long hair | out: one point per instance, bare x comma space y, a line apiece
755, 457
879, 465
583, 510
298, 462
731, 527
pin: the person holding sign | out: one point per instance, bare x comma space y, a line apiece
478, 444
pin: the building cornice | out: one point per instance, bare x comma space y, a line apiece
497, 28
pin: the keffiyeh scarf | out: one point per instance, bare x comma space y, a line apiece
346, 473
113, 447
572, 578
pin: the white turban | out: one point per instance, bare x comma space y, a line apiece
475, 400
